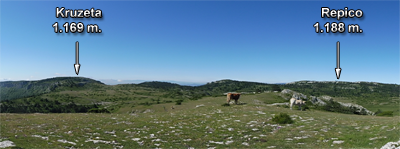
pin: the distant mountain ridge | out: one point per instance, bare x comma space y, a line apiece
116, 82
20, 89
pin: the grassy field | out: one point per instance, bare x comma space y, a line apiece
201, 123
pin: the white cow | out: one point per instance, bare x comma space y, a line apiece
294, 101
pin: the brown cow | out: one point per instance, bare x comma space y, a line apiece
231, 96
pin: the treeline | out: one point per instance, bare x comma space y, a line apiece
43, 106
223, 86
345, 89
216, 88
164, 85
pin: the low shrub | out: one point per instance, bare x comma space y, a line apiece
379, 111
100, 110
283, 106
178, 102
304, 107
282, 118
225, 104
385, 113
146, 103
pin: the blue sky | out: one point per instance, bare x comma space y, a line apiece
203, 41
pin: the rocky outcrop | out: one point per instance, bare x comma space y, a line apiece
294, 94
358, 107
286, 91
299, 96
321, 101
278, 104
316, 101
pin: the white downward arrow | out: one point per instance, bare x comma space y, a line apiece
338, 69
77, 66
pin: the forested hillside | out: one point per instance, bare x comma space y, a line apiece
19, 89
345, 89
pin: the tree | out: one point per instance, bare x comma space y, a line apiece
379, 111
276, 88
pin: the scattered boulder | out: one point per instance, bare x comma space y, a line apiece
148, 111
6, 143
43, 137
338, 142
278, 104
245, 143
286, 91
391, 145
202, 105
65, 141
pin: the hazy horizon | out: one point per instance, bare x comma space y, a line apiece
116, 82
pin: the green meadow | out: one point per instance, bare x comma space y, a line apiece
201, 123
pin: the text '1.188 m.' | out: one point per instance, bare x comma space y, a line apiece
339, 26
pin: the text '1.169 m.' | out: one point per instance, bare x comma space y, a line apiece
77, 27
